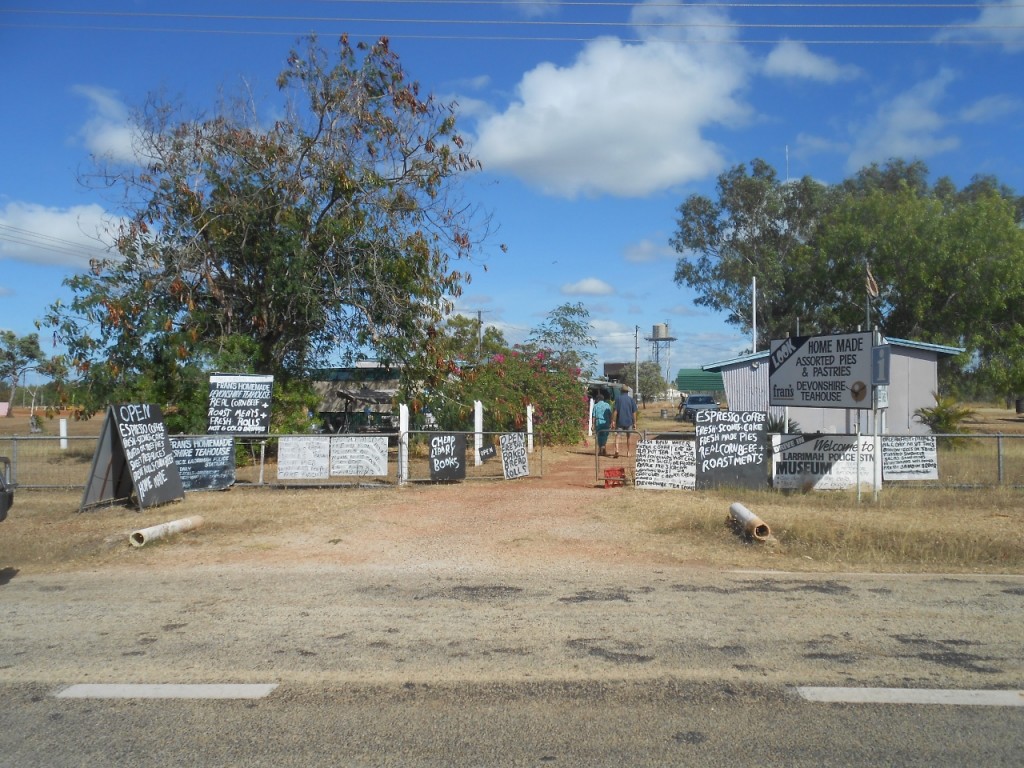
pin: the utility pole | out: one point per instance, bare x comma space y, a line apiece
636, 363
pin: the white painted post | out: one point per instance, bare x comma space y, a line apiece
478, 428
529, 428
63, 434
590, 416
403, 444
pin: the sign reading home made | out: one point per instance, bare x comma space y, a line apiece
821, 371
239, 404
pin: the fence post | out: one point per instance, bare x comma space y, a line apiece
403, 444
478, 429
529, 428
999, 453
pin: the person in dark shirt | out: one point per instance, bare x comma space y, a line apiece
625, 417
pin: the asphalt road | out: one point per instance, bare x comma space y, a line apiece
429, 665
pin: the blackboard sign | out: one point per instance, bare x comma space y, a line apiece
133, 454
487, 453
732, 449
514, 461
909, 457
239, 404
665, 464
204, 463
447, 457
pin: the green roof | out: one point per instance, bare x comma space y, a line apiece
697, 380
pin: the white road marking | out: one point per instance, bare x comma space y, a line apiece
974, 698
165, 691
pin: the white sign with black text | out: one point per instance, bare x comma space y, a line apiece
821, 371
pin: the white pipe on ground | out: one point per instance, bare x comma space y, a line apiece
146, 535
749, 523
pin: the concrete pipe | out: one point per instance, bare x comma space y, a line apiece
146, 535
746, 521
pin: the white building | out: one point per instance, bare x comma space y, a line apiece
913, 378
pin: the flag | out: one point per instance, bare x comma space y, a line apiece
870, 284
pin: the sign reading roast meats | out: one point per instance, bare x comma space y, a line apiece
821, 371
239, 404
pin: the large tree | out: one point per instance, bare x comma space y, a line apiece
23, 354
881, 249
566, 334
758, 227
335, 230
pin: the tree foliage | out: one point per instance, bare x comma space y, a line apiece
20, 355
652, 383
335, 230
566, 335
881, 249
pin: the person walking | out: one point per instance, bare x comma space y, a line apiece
602, 421
624, 418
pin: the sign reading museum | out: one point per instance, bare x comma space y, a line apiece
821, 371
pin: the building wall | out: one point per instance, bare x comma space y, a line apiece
913, 378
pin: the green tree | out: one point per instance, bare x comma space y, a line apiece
652, 383
19, 355
759, 227
335, 230
881, 249
565, 336
469, 340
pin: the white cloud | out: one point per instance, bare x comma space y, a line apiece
622, 119
63, 236
795, 60
989, 109
908, 126
588, 286
107, 133
647, 251
1001, 22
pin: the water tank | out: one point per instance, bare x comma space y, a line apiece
660, 331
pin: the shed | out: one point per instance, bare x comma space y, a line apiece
699, 380
913, 377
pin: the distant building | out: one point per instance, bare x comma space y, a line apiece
357, 399
913, 376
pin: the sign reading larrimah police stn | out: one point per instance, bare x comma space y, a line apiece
821, 371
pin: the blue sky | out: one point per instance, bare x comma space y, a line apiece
593, 120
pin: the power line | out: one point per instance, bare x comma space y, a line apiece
545, 23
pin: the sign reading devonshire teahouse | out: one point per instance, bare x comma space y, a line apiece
821, 371
239, 404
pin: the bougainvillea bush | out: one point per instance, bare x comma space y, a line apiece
507, 383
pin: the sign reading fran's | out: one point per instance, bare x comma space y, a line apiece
821, 371
239, 404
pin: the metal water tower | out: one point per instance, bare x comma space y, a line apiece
661, 347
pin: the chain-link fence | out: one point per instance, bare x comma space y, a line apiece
48, 462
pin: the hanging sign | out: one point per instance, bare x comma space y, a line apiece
514, 461
821, 371
204, 463
239, 404
447, 457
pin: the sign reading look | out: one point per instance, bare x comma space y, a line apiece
821, 371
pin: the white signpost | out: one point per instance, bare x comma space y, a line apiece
821, 371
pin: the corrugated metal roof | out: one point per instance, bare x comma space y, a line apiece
697, 380
940, 349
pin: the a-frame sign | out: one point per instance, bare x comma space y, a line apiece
133, 456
